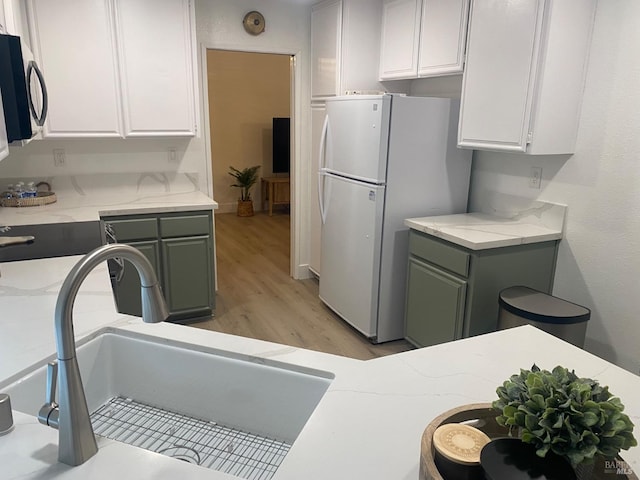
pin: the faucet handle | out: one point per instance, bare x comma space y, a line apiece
52, 380
49, 412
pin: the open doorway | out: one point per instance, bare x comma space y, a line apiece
249, 97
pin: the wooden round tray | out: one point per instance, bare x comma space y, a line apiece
42, 198
485, 420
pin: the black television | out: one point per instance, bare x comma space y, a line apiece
281, 145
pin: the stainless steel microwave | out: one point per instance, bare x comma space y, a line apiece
24, 93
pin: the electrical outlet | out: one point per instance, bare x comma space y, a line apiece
59, 157
535, 179
173, 158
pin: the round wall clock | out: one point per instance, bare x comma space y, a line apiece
253, 23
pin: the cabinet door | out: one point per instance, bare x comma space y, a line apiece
15, 22
435, 305
127, 287
326, 29
4, 143
443, 32
156, 63
75, 45
499, 78
360, 42
400, 39
187, 274
317, 122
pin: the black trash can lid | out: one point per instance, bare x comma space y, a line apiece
540, 307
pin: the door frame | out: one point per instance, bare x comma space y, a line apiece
296, 269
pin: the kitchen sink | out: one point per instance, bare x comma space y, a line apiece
183, 392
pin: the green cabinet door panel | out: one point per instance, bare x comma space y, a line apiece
129, 230
440, 253
188, 278
127, 290
435, 305
185, 226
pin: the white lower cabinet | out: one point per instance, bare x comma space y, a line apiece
524, 75
116, 68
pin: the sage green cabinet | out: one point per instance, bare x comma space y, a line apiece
180, 248
452, 291
187, 274
438, 295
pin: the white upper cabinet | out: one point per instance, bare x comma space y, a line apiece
116, 68
524, 75
13, 18
156, 61
78, 58
326, 24
345, 40
400, 39
423, 38
443, 33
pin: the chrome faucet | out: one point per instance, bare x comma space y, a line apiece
76, 440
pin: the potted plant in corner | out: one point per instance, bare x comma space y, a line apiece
245, 179
573, 417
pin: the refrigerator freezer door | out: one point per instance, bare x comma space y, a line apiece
350, 262
357, 137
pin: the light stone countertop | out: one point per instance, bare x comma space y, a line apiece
367, 425
83, 198
478, 231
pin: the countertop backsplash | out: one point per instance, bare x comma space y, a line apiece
535, 212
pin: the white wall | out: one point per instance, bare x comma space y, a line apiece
599, 258
218, 25
287, 31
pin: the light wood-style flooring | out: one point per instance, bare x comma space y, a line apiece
257, 298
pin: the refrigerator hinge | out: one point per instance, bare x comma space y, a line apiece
529, 137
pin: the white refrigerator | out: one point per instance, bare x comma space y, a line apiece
383, 158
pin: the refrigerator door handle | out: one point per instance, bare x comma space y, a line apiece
322, 154
321, 163
323, 213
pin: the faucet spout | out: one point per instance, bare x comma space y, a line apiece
76, 440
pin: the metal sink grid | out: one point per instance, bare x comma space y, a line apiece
200, 442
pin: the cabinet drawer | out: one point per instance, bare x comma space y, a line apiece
439, 253
185, 226
134, 229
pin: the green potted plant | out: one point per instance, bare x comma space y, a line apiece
245, 179
557, 411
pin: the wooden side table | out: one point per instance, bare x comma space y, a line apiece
275, 190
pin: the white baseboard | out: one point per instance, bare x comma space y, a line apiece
302, 272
